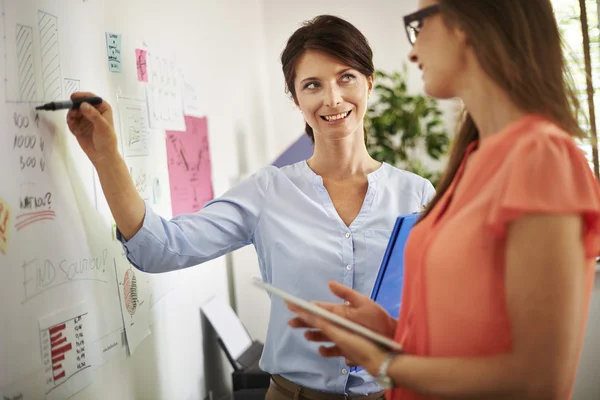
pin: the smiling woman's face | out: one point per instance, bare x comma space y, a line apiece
331, 95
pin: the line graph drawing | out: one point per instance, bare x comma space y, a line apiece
188, 161
48, 25
135, 129
25, 62
141, 178
71, 86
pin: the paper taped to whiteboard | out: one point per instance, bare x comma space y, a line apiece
64, 338
113, 50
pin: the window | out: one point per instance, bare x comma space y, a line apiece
568, 16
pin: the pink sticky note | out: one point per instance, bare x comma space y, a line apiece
142, 67
189, 166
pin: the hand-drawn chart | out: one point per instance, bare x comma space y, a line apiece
71, 86
130, 291
142, 179
189, 166
135, 137
135, 129
63, 343
141, 65
25, 63
21, 55
134, 305
192, 102
164, 93
48, 25
19, 49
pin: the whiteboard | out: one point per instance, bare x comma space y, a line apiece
68, 297
62, 271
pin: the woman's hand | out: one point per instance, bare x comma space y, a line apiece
357, 308
93, 128
355, 348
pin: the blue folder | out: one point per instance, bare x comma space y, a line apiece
387, 291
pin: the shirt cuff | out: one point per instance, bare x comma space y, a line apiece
135, 246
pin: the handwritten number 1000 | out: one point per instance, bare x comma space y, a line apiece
24, 141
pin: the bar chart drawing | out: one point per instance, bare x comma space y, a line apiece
63, 351
25, 63
48, 25
71, 86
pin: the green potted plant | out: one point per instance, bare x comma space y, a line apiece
402, 125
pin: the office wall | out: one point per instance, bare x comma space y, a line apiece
219, 46
587, 385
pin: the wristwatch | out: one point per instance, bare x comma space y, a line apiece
383, 379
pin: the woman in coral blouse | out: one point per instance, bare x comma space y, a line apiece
499, 270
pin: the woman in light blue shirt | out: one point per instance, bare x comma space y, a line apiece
326, 218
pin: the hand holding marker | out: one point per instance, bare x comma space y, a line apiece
70, 104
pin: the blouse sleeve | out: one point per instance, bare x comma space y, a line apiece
548, 175
222, 225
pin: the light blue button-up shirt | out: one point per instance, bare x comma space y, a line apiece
301, 243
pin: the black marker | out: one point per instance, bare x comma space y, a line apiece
74, 104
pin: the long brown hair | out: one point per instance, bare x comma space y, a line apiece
518, 44
334, 36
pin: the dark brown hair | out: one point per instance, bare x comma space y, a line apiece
332, 35
518, 44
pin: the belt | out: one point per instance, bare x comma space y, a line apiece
296, 391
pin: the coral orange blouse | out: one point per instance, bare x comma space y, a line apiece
453, 302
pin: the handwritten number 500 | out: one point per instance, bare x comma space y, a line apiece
27, 162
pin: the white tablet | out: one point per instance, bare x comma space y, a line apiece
352, 326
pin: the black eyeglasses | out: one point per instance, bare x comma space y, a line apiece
414, 22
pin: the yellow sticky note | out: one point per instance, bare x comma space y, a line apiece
4, 225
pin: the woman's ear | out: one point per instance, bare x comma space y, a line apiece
370, 83
461, 35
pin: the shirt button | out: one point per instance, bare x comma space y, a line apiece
344, 371
347, 235
349, 267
